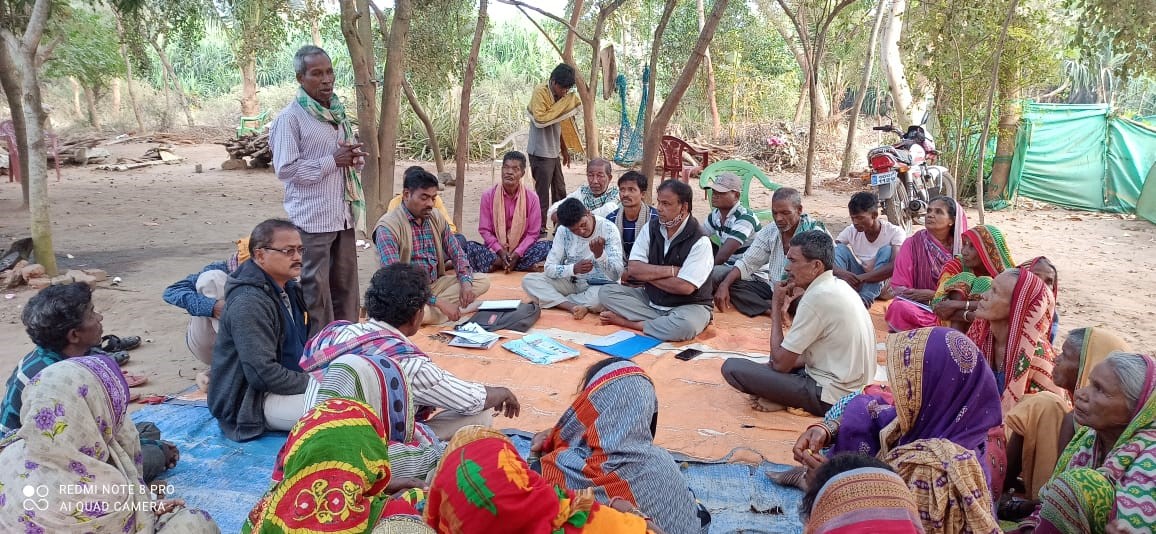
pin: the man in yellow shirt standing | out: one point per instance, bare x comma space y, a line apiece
553, 134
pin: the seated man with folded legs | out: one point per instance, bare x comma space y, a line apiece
668, 295
586, 255
418, 234
747, 287
730, 225
257, 381
829, 351
509, 223
863, 251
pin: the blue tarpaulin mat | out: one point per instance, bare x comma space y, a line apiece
226, 478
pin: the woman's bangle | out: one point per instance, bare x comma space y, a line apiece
965, 316
967, 306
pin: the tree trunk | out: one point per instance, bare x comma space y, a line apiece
179, 88
10, 82
315, 31
462, 150
716, 122
77, 92
650, 154
357, 28
575, 16
128, 74
391, 101
993, 83
166, 118
411, 96
657, 126
116, 96
1005, 145
892, 63
23, 54
249, 104
853, 121
90, 103
800, 53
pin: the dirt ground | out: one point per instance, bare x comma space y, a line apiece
156, 225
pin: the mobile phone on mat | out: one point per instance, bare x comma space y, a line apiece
688, 354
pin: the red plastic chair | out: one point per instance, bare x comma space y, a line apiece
8, 135
673, 164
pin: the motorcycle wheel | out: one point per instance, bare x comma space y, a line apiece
946, 187
893, 208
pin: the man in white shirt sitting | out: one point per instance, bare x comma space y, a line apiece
829, 351
586, 254
669, 295
865, 251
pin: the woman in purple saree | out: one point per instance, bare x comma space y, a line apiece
920, 262
933, 432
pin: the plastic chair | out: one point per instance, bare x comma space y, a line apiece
252, 124
748, 173
8, 135
673, 149
516, 141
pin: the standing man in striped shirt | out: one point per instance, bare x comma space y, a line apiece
316, 156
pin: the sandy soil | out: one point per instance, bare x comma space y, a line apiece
156, 225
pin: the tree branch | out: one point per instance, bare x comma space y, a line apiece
46, 53
543, 30
556, 18
36, 22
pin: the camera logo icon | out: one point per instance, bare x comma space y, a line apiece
35, 498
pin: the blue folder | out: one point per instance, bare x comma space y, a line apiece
626, 345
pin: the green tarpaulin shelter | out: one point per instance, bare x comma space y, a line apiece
1084, 157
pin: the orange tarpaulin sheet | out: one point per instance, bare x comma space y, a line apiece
700, 415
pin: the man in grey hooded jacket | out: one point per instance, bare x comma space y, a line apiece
258, 384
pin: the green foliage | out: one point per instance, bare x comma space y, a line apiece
439, 42
255, 28
89, 52
1128, 25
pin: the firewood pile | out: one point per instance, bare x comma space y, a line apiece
158, 155
254, 146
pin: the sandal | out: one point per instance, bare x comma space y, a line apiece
111, 343
795, 477
1011, 508
134, 380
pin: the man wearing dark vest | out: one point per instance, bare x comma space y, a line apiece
667, 292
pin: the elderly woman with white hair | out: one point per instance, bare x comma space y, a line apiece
1103, 481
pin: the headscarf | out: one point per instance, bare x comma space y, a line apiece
378, 382
484, 486
509, 238
949, 487
343, 337
994, 254
1028, 360
1098, 344
1079, 501
330, 476
1131, 462
942, 389
605, 441
74, 434
1029, 265
334, 115
867, 499
922, 258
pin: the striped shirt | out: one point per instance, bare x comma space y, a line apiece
32, 364
430, 385
765, 259
303, 148
740, 225
425, 252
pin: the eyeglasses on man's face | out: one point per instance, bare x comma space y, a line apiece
288, 251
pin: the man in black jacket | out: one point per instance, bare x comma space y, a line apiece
671, 297
257, 381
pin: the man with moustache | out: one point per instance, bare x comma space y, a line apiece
509, 221
828, 353
417, 234
258, 384
316, 157
597, 194
666, 291
747, 287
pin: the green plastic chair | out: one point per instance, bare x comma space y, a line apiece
252, 124
748, 173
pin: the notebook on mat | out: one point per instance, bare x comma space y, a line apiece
540, 349
623, 344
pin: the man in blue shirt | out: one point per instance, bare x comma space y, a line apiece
626, 218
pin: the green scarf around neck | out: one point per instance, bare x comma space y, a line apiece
335, 115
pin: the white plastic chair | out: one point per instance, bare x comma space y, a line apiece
515, 141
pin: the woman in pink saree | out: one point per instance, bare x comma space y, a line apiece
920, 262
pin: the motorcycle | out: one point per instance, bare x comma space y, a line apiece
905, 176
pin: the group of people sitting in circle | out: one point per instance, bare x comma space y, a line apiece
980, 419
